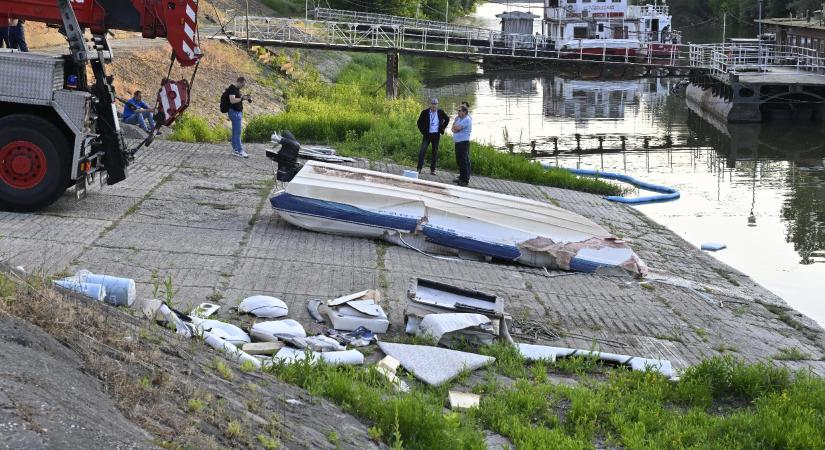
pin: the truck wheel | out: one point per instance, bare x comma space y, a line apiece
33, 163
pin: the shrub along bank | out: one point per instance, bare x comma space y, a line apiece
354, 115
720, 404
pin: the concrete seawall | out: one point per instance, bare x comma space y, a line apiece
195, 213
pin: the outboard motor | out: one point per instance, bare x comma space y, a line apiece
285, 153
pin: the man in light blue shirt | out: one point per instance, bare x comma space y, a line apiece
462, 129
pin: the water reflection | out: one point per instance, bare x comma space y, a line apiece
758, 188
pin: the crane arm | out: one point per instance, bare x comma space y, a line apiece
176, 20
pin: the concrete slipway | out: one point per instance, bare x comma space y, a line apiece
197, 214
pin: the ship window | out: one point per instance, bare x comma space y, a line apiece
601, 27
580, 32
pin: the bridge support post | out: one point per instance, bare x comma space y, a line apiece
392, 74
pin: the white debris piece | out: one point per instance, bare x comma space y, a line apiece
271, 331
204, 310
263, 348
230, 350
119, 291
713, 246
536, 352
94, 291
434, 365
473, 327
226, 331
289, 355
264, 306
463, 400
361, 309
318, 343
347, 298
388, 368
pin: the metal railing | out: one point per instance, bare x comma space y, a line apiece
725, 59
639, 11
341, 15
470, 43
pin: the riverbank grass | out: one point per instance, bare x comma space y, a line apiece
721, 403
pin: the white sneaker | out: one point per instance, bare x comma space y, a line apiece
243, 154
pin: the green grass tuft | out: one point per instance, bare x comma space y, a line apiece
193, 129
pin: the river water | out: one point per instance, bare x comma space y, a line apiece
759, 189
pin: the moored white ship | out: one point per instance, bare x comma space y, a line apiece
609, 28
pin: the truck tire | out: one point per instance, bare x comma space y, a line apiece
34, 157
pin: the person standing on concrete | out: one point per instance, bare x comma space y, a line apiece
431, 123
462, 129
136, 112
17, 36
232, 100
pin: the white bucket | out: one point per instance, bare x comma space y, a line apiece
94, 291
119, 291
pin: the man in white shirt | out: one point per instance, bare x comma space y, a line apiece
431, 123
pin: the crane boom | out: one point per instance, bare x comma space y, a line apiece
176, 20
81, 135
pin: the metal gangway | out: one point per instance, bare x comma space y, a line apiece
370, 33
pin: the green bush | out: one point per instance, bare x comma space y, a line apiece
196, 129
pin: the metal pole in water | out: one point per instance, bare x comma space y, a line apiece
724, 26
247, 24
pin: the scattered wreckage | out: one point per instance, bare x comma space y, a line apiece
413, 213
450, 316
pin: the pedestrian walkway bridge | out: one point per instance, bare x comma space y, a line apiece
353, 31
332, 29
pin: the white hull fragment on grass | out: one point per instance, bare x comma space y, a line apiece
350, 201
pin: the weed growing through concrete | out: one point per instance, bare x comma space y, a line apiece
222, 369
791, 354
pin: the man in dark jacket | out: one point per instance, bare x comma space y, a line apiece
431, 123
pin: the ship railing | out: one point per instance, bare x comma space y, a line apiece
639, 11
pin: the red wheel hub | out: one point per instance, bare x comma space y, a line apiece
22, 164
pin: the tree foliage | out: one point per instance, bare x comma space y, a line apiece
744, 10
425, 9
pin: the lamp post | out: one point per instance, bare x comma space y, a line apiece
247, 24
760, 21
760, 32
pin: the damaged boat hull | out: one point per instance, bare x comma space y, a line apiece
350, 201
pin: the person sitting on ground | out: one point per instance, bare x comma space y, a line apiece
136, 112
431, 123
462, 129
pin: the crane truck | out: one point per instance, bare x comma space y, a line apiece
58, 114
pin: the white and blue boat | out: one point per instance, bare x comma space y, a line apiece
345, 200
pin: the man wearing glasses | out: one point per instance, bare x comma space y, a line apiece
431, 123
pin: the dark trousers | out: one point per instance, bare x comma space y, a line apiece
433, 138
462, 158
17, 38
4, 37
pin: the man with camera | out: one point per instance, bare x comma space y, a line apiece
232, 104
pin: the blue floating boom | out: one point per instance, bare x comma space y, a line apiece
664, 193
